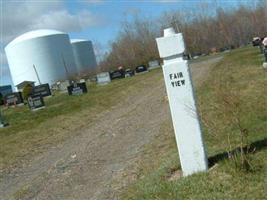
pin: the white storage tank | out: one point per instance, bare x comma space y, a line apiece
84, 55
41, 56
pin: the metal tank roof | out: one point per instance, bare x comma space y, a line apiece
79, 40
34, 34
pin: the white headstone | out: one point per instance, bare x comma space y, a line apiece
154, 64
182, 103
103, 78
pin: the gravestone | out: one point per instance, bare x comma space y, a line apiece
77, 88
36, 102
182, 104
103, 78
129, 73
13, 99
117, 74
42, 90
154, 64
141, 69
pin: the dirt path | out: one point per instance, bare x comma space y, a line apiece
84, 167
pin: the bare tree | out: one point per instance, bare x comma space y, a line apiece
206, 26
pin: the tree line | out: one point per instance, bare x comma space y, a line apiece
206, 28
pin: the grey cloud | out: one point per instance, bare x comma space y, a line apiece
64, 21
17, 17
21, 17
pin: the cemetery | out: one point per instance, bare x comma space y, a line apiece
169, 112
101, 98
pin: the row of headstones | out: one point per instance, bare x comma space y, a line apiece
36, 100
106, 77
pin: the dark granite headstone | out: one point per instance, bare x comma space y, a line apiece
117, 74
42, 90
77, 89
14, 98
140, 68
36, 102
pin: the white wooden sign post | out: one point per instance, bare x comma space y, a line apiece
182, 103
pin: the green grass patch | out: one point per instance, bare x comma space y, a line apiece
240, 77
30, 132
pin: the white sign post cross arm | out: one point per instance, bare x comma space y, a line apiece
182, 103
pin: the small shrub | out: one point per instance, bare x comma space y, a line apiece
27, 91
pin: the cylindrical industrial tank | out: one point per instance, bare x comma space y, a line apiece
84, 55
43, 56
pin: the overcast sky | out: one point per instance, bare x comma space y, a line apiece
96, 20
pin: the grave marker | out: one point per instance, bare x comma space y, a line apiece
182, 104
77, 88
36, 102
103, 78
154, 64
42, 90
141, 69
13, 99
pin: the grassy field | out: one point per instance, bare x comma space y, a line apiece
31, 133
237, 83
236, 88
